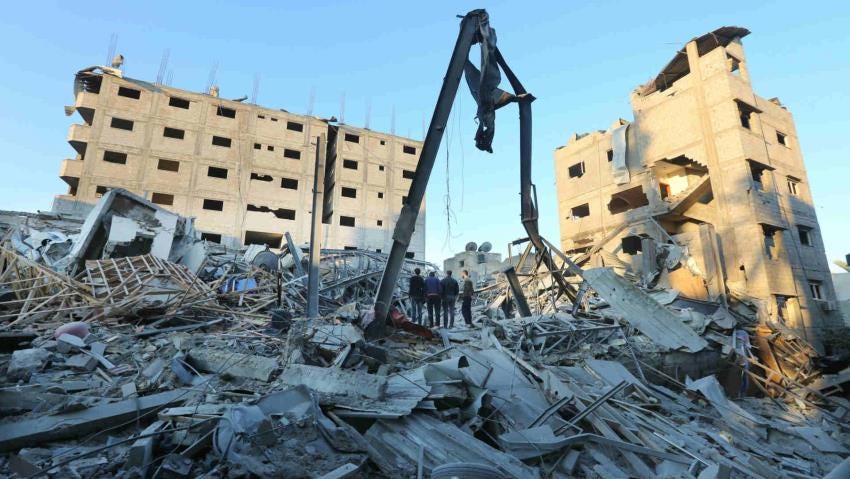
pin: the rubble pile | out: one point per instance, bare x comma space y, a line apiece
122, 358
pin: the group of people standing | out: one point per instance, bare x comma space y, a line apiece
440, 295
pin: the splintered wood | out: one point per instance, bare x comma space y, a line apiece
33, 293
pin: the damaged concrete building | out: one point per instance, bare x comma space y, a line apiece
708, 173
244, 171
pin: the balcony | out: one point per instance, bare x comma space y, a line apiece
79, 137
85, 104
71, 171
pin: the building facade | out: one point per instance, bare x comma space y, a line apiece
245, 172
482, 264
712, 173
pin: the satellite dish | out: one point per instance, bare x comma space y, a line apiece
485, 247
471, 246
266, 260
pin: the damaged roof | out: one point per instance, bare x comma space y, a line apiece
678, 66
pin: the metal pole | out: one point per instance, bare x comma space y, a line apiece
516, 289
316, 230
407, 219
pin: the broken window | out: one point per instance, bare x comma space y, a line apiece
577, 170
289, 183
258, 146
178, 103
407, 174
383, 142
271, 240
349, 192
380, 223
221, 141
115, 157
632, 245
793, 185
273, 119
781, 138
122, 124
101, 190
216, 172
580, 211
380, 195
815, 289
377, 250
352, 138
805, 234
410, 255
294, 126
259, 177
627, 200
782, 306
664, 188
168, 165
211, 237
173, 133
270, 147
162, 199
409, 150
346, 221
380, 167
350, 164
610, 154
745, 113
215, 205
225, 112
292, 154
760, 175
772, 240
734, 65
349, 248
129, 92
262, 117
282, 213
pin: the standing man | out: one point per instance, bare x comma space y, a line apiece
450, 291
416, 291
432, 294
466, 306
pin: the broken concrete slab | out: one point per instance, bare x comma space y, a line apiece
335, 382
234, 364
643, 312
73, 424
26, 361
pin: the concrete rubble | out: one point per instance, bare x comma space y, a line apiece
132, 349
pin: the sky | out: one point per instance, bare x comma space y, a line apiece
580, 59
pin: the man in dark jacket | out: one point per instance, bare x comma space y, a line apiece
416, 290
432, 295
466, 306
450, 292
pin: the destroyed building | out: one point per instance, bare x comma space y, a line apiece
244, 171
482, 263
707, 171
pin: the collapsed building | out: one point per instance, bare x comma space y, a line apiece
244, 171
132, 347
707, 171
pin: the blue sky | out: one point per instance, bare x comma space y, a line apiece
581, 60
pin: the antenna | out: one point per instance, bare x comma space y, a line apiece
110, 52
256, 90
342, 108
163, 65
392, 121
368, 112
169, 77
311, 100
423, 127
211, 78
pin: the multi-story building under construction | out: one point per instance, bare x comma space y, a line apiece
708, 170
245, 172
